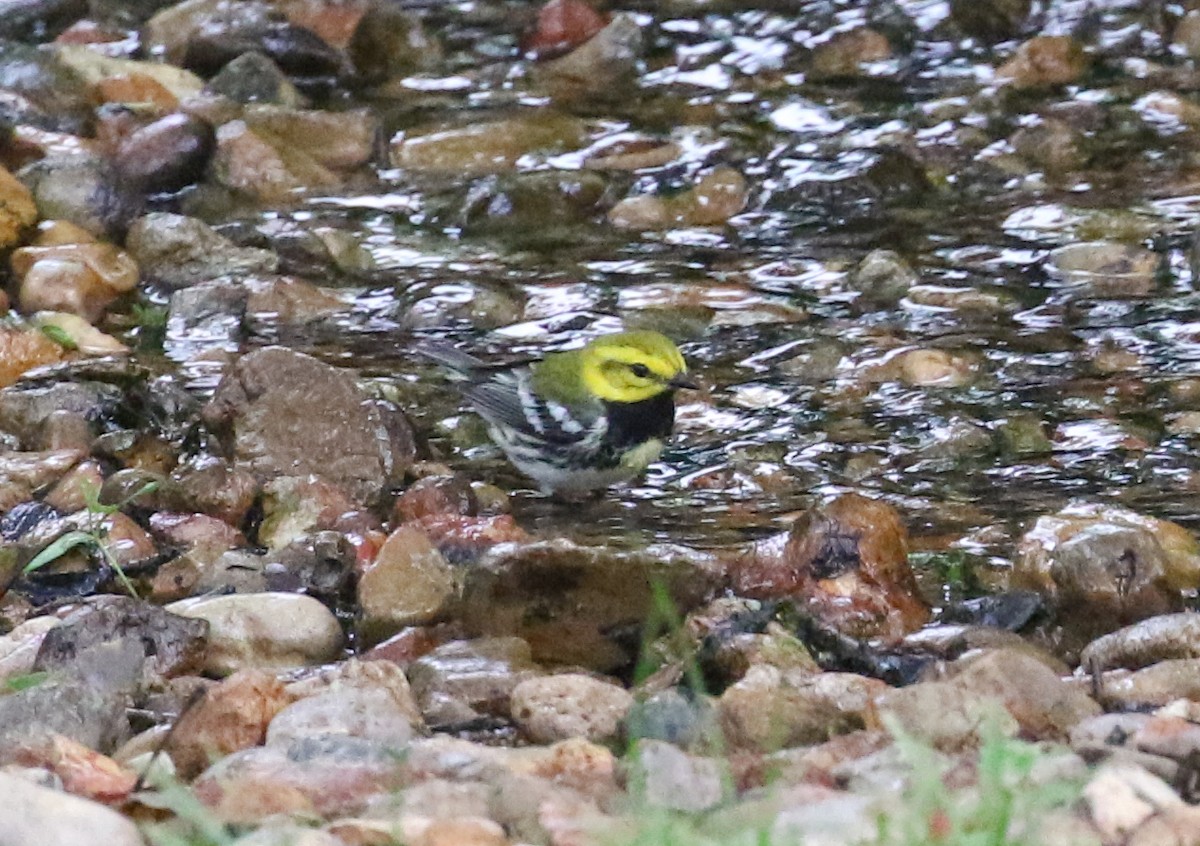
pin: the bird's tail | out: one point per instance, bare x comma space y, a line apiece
461, 365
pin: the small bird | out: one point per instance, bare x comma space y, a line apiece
580, 420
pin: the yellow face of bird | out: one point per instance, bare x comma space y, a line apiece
632, 366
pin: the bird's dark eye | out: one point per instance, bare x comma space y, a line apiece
640, 370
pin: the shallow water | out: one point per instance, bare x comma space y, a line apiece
916, 158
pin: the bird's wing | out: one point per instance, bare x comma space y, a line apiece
508, 399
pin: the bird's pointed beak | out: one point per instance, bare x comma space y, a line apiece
681, 380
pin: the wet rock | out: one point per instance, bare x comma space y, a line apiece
231, 715
436, 495
1044, 62
81, 276
848, 54
366, 713
294, 507
482, 148
528, 206
250, 164
846, 563
465, 539
883, 276
34, 471
22, 349
216, 488
264, 631
715, 198
409, 583
769, 709
1186, 37
340, 141
86, 191
55, 98
605, 66
94, 67
1104, 269
968, 300
167, 154
84, 339
463, 680
17, 210
192, 531
286, 300
561, 26
36, 814
177, 252
552, 708
340, 436
327, 776
591, 600
254, 78
1159, 638
1103, 567
172, 645
297, 50
990, 22
390, 43
670, 778
321, 566
1053, 145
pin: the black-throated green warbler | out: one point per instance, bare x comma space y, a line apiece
583, 419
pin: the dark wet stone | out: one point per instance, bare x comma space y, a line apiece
141, 489
177, 252
126, 13
24, 517
54, 91
171, 645
590, 601
321, 566
206, 315
990, 21
291, 415
38, 20
527, 204
389, 43
167, 154
1012, 610
298, 51
85, 191
23, 410
254, 78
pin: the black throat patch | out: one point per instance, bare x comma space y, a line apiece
633, 423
